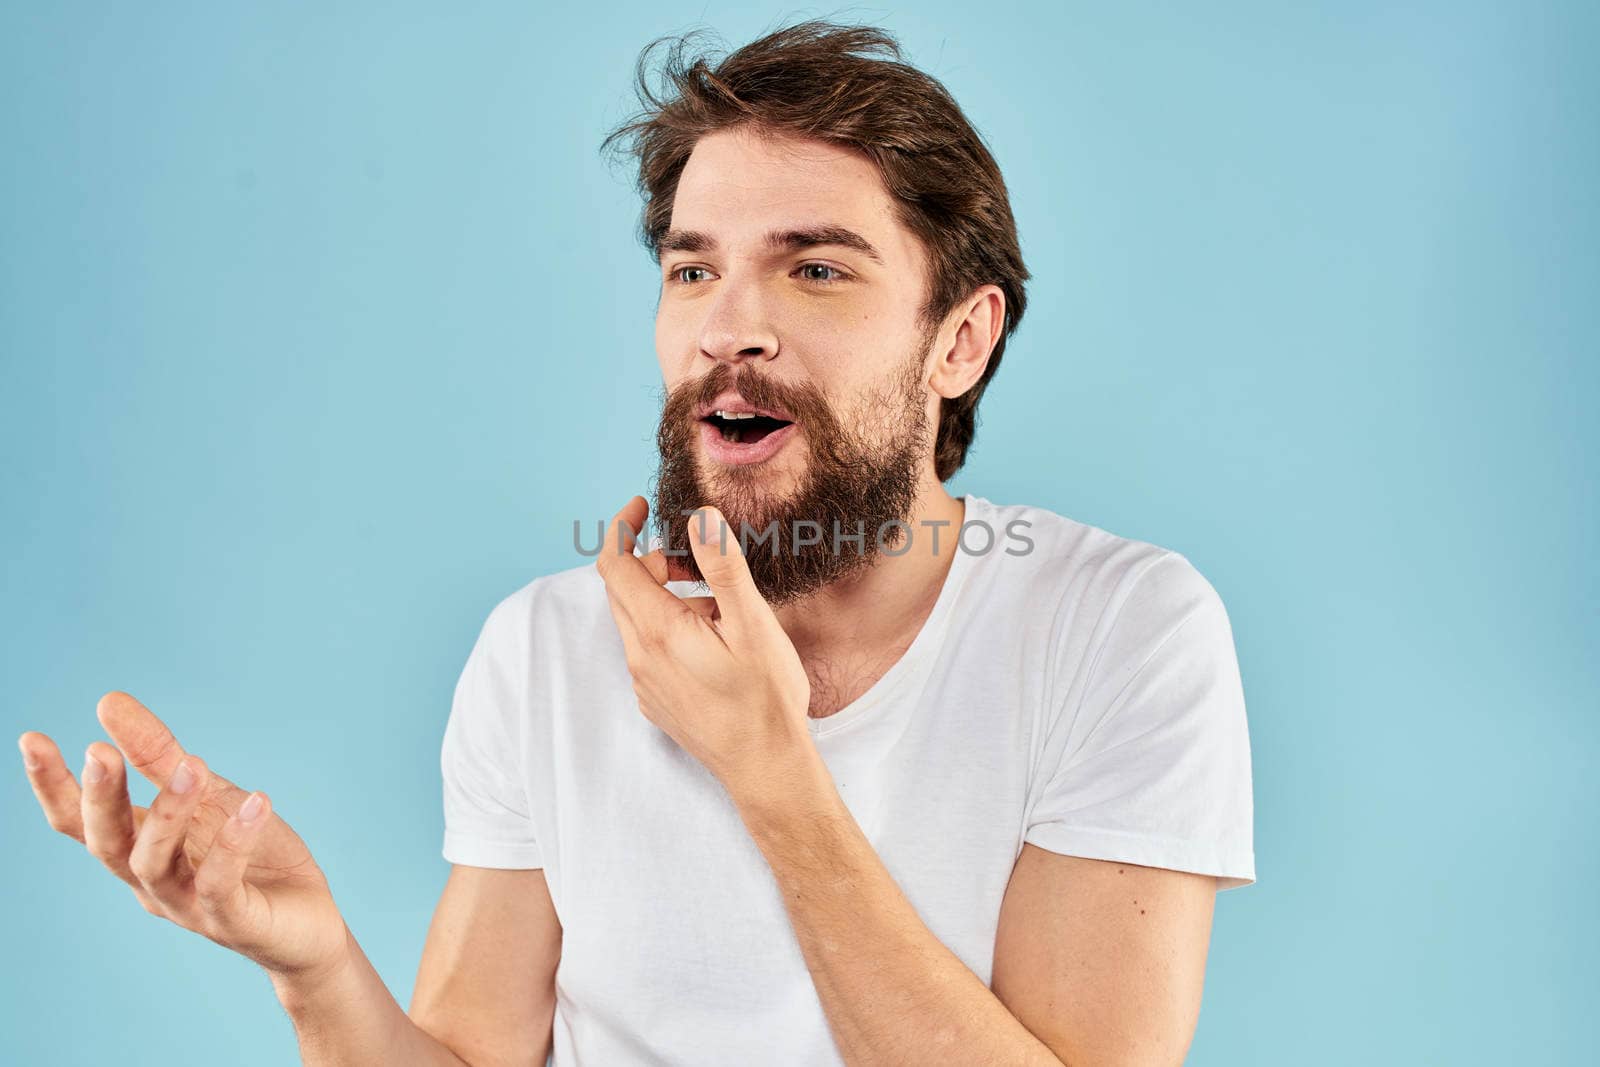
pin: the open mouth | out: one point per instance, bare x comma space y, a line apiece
744, 428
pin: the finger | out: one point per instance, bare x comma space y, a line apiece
109, 830
219, 884
655, 561
664, 568
706, 608
635, 593
703, 606
144, 739
621, 536
626, 526
53, 784
151, 748
157, 858
721, 560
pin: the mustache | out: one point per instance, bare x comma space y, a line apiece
805, 402
850, 473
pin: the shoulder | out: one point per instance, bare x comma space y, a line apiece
569, 602
1088, 572
1104, 606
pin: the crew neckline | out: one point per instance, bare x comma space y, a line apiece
928, 636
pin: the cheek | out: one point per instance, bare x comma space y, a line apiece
833, 343
675, 343
835, 318
848, 353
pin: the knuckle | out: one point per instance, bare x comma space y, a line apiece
145, 868
166, 810
152, 751
212, 891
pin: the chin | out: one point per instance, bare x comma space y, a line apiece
762, 485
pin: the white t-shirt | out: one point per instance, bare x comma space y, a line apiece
1082, 694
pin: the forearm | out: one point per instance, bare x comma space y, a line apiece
893, 993
348, 1018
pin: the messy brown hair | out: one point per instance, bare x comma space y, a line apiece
847, 85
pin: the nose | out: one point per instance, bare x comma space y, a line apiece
736, 327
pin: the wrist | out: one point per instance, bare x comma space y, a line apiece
794, 785
326, 982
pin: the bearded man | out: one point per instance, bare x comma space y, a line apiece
843, 768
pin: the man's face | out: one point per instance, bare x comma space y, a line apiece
788, 287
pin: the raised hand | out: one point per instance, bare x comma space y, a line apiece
717, 674
206, 854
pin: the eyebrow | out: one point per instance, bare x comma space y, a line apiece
795, 240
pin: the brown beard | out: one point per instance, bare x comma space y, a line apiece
864, 487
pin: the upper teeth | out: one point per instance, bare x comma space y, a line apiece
734, 414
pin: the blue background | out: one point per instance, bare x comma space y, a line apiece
319, 326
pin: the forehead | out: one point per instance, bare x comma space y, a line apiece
739, 185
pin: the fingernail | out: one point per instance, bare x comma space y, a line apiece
183, 778
710, 526
29, 760
93, 770
250, 808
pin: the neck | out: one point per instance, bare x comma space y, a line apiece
886, 603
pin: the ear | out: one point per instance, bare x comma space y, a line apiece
976, 324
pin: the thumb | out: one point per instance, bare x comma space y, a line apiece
219, 882
720, 557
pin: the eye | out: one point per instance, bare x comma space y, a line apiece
821, 273
678, 275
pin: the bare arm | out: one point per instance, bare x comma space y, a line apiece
348, 1018
1095, 962
1104, 961
484, 997
893, 993
486, 986
216, 860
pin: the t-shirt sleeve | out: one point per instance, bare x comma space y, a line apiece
1151, 762
487, 819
